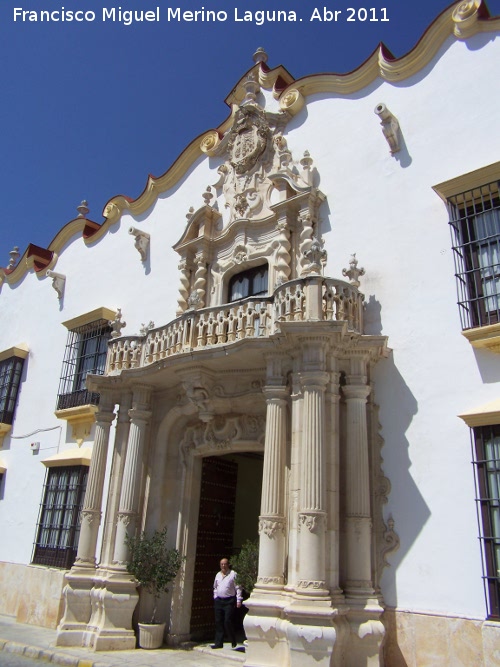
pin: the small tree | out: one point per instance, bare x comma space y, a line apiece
246, 565
153, 564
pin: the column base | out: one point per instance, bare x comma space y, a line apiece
317, 633
367, 633
114, 598
77, 606
264, 627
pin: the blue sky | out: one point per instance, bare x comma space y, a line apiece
89, 109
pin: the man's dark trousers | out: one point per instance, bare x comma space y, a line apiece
224, 619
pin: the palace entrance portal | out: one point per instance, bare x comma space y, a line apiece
230, 496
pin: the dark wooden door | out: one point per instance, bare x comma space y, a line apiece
215, 538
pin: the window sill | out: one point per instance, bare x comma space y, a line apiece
485, 338
80, 418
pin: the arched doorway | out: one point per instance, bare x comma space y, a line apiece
229, 509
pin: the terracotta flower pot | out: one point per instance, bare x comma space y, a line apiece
151, 636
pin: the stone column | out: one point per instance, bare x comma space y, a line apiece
367, 631
266, 638
333, 480
312, 512
357, 502
116, 477
272, 518
114, 596
77, 609
131, 483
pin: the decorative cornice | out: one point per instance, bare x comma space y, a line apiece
102, 313
468, 181
485, 338
21, 351
483, 415
461, 21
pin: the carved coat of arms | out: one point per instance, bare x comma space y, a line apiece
248, 140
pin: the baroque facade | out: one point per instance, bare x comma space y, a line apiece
308, 384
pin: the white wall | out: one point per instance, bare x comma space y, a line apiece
383, 208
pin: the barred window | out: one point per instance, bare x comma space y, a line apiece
249, 283
486, 453
58, 527
11, 370
475, 228
85, 353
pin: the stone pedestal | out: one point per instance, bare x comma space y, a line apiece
114, 598
77, 607
316, 634
265, 630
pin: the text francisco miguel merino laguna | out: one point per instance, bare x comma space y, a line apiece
258, 17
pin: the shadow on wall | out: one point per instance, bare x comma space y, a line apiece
488, 364
397, 408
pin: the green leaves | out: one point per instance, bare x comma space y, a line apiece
246, 565
152, 563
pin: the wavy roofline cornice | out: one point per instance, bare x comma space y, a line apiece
460, 20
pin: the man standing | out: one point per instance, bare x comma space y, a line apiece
227, 596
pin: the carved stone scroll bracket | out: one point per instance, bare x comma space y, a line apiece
292, 101
141, 242
465, 17
58, 282
391, 541
390, 127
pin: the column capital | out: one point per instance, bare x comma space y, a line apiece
137, 416
277, 393
104, 416
141, 396
314, 379
360, 391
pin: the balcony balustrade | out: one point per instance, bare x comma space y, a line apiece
309, 299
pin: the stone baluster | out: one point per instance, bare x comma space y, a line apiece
272, 519
129, 497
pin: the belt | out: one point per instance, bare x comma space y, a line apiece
231, 597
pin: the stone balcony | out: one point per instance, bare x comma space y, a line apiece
310, 299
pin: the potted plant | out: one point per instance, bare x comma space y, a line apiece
246, 565
154, 565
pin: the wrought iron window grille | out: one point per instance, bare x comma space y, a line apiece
58, 526
85, 353
11, 370
486, 460
474, 218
